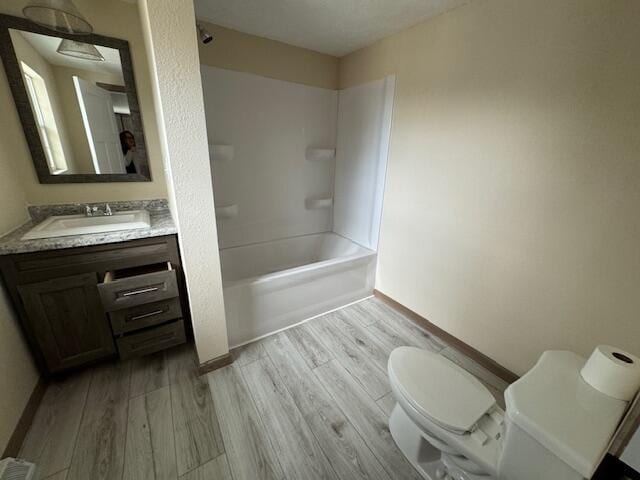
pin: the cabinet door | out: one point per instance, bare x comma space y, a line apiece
66, 318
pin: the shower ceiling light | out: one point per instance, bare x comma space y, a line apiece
85, 51
59, 15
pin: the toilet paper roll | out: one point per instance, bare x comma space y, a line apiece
613, 372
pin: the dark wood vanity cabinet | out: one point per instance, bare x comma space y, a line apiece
67, 321
83, 304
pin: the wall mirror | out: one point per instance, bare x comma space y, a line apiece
77, 101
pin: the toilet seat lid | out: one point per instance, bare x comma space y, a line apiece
439, 389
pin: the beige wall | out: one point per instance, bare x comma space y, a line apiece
115, 19
239, 51
511, 206
17, 371
170, 38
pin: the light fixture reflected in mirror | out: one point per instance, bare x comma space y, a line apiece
59, 15
85, 51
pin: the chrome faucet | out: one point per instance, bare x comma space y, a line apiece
95, 211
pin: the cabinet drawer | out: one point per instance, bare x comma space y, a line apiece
146, 315
151, 340
137, 286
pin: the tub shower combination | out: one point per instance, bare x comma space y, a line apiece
274, 285
298, 176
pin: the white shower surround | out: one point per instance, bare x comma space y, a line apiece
364, 128
281, 193
269, 124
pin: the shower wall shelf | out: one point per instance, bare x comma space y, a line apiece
320, 154
317, 203
221, 153
227, 211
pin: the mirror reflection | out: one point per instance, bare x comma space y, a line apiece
78, 97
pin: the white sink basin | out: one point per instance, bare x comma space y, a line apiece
66, 225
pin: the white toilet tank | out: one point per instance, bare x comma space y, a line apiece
557, 426
523, 458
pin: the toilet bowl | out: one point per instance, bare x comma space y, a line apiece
449, 426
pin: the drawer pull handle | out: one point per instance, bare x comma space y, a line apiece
145, 315
138, 292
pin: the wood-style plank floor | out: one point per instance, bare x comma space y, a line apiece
311, 402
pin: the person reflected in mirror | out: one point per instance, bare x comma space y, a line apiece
128, 143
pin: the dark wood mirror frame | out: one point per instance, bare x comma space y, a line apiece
20, 96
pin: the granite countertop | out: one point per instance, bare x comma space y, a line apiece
161, 224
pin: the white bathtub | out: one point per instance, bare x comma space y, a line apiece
273, 285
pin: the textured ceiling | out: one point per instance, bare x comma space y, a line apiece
335, 27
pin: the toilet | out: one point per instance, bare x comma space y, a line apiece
449, 426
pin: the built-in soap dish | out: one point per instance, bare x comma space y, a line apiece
227, 211
320, 154
221, 153
317, 203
